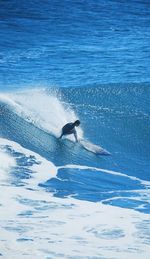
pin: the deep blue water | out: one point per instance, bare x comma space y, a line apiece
95, 56
74, 43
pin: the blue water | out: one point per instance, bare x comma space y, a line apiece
74, 43
67, 60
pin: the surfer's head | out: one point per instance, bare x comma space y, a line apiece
77, 123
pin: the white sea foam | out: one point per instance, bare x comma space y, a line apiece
46, 111
46, 167
6, 162
34, 224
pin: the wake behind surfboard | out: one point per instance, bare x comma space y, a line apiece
93, 148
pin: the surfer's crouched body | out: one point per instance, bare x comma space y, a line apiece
69, 128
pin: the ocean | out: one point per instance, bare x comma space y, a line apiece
61, 61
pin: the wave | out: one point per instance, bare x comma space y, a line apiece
34, 119
108, 115
44, 111
29, 170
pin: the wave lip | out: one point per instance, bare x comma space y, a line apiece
45, 110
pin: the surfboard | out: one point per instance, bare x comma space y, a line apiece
93, 148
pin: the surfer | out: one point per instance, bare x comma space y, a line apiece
69, 128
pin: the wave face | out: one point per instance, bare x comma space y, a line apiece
108, 117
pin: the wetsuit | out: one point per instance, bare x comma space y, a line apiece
69, 128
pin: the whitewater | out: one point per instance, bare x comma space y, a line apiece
41, 225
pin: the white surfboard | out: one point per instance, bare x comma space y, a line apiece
93, 148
